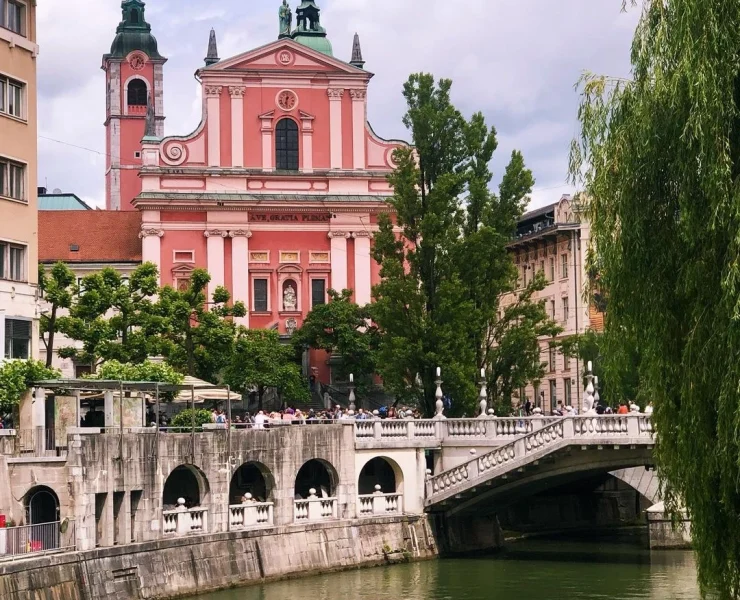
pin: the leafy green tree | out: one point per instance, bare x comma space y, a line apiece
260, 361
185, 418
442, 278
659, 158
342, 328
57, 289
17, 376
197, 336
150, 371
112, 316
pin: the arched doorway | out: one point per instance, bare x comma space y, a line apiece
251, 478
383, 472
42, 505
319, 475
187, 482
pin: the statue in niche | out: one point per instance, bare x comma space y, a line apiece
290, 300
286, 18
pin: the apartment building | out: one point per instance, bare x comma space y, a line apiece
554, 239
18, 158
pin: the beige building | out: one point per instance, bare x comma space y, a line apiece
18, 158
555, 239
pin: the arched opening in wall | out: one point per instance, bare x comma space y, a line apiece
42, 505
136, 94
383, 472
134, 17
286, 145
319, 475
187, 482
252, 478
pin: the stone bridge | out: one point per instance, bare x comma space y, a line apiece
564, 450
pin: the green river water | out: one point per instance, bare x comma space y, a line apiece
531, 570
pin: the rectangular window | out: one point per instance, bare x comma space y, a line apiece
552, 269
318, 292
13, 16
564, 267
524, 276
553, 356
566, 310
12, 95
260, 295
184, 256
12, 180
566, 362
542, 267
17, 339
566, 382
17, 263
553, 394
3, 261
552, 309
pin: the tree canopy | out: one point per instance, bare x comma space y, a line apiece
659, 159
443, 277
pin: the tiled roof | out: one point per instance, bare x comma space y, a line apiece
89, 236
61, 202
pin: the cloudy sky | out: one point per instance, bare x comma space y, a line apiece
515, 60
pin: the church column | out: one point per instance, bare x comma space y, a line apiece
215, 250
363, 276
240, 270
335, 126
151, 247
213, 112
237, 125
338, 260
358, 128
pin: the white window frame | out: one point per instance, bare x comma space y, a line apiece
5, 338
6, 247
4, 16
6, 164
564, 266
566, 309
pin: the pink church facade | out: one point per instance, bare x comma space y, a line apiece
276, 193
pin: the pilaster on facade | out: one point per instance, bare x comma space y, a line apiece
215, 249
359, 113
307, 133
213, 110
339, 239
237, 93
240, 270
151, 246
335, 126
363, 267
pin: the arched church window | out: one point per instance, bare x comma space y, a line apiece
137, 93
286, 145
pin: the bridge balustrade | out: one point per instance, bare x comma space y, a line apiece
314, 508
535, 444
379, 504
251, 514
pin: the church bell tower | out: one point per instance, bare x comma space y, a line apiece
134, 77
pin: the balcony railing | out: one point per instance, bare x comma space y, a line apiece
251, 514
380, 504
37, 539
314, 508
183, 521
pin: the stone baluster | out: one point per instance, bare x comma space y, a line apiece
183, 518
379, 504
352, 398
314, 506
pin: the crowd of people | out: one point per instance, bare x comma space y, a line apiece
291, 416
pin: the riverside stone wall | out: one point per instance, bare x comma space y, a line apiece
185, 566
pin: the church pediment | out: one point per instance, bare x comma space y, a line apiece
289, 55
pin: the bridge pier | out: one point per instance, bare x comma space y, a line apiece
464, 534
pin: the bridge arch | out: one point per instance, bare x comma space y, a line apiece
254, 478
188, 482
41, 505
316, 474
382, 471
644, 480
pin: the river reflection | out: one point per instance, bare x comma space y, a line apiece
542, 570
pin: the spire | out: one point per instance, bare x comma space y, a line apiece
309, 31
212, 56
133, 32
150, 128
357, 53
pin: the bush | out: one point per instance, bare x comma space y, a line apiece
184, 419
16, 376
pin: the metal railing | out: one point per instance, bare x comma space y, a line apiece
37, 539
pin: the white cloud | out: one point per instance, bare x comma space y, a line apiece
515, 60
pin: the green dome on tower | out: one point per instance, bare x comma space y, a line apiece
133, 33
309, 31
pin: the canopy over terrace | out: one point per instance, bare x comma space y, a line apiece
191, 391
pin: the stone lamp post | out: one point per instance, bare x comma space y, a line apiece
483, 396
439, 404
588, 395
352, 398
